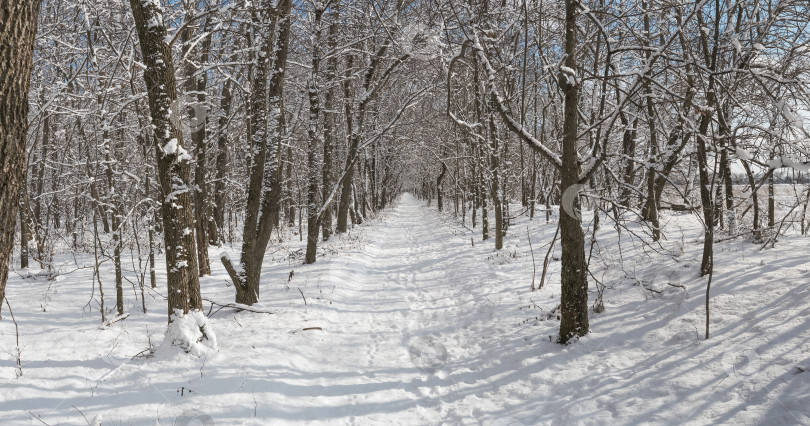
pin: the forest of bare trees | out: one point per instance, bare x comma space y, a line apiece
160, 129
208, 156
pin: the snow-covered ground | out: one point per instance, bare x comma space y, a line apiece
403, 321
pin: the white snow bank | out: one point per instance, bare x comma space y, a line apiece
191, 332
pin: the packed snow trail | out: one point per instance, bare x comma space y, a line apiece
405, 306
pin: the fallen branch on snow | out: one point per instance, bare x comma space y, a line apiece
238, 306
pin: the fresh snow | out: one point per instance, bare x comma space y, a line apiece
406, 323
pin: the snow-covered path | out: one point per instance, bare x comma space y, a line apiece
404, 308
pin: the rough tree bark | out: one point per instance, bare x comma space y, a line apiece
173, 161
18, 26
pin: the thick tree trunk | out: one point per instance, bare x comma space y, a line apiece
18, 26
573, 277
172, 159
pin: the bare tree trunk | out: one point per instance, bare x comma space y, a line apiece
440, 187
113, 202
629, 150
215, 233
705, 198
494, 162
267, 122
173, 161
18, 26
573, 277
289, 187
355, 126
314, 137
771, 202
651, 208
346, 189
24, 238
194, 87
40, 176
756, 225
710, 60
329, 125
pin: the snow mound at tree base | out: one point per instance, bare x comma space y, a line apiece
190, 332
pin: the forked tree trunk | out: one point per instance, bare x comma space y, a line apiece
264, 186
18, 26
173, 161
